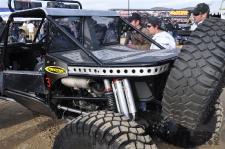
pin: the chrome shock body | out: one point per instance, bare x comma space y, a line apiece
124, 97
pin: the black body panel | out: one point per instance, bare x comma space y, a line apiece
31, 102
25, 81
55, 62
118, 55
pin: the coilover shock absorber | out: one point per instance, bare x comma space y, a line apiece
110, 96
124, 97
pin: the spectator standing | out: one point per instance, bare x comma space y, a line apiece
24, 27
111, 34
31, 27
41, 33
159, 35
22, 36
2, 24
1, 20
175, 28
73, 29
14, 32
169, 27
137, 40
200, 13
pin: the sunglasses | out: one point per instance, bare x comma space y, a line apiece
148, 26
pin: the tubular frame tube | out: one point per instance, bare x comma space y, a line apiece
62, 30
147, 37
79, 98
70, 109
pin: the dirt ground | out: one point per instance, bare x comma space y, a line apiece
20, 129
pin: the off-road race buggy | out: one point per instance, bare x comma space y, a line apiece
115, 96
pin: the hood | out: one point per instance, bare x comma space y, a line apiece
118, 55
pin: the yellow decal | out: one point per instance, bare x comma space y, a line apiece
179, 13
55, 70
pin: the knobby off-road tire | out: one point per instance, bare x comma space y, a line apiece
197, 76
209, 132
103, 130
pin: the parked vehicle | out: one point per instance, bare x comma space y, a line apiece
182, 33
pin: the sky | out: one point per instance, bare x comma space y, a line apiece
140, 4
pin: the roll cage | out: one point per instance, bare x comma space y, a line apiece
21, 4
50, 14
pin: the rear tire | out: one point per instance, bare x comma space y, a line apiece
103, 130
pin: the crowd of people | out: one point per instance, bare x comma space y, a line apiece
163, 32
21, 31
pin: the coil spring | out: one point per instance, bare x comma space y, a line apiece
111, 101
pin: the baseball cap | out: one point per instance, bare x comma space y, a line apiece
201, 8
154, 21
135, 16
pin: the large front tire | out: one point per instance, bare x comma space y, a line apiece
103, 130
197, 76
196, 81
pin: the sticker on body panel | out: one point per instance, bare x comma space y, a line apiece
55, 70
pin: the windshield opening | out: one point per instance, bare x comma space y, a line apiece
95, 32
101, 31
58, 40
24, 30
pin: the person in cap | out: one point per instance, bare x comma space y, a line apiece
2, 24
200, 13
135, 20
159, 35
1, 20
137, 40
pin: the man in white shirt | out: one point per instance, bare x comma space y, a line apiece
159, 35
200, 13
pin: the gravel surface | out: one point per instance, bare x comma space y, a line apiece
20, 129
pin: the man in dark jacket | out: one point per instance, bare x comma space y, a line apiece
200, 13
136, 39
2, 24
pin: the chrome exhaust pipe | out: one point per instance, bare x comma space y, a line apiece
76, 82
